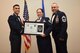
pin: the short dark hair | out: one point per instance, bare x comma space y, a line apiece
40, 9
15, 5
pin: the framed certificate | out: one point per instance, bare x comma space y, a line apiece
33, 28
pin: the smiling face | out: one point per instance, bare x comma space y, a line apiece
54, 7
16, 9
39, 13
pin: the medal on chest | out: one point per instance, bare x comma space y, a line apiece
57, 19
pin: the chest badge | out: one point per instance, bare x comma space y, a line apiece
57, 19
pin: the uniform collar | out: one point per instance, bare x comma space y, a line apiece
15, 15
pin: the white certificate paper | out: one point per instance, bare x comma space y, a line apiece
33, 28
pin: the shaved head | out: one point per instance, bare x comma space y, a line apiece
54, 7
55, 4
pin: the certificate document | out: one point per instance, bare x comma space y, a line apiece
33, 28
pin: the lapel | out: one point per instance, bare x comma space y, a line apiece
42, 19
56, 14
56, 18
17, 18
52, 17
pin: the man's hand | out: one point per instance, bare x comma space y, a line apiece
43, 35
